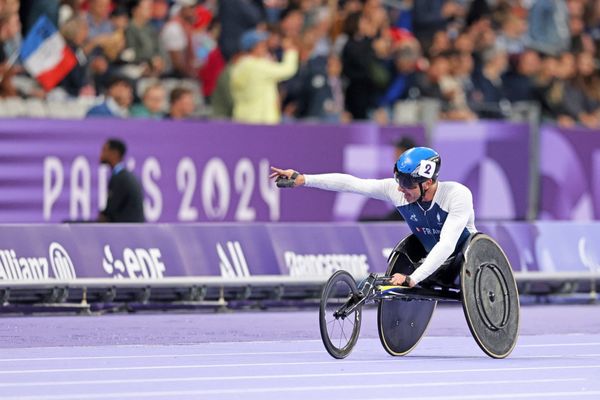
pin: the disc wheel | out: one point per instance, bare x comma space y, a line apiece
490, 297
339, 330
403, 323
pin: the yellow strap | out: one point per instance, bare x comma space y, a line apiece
387, 287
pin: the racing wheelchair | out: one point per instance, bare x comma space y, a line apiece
479, 276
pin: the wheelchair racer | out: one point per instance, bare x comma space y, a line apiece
439, 214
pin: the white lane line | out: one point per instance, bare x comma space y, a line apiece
269, 342
183, 344
560, 344
558, 356
233, 378
288, 389
277, 377
261, 353
265, 353
542, 395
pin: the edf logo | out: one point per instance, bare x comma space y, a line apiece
136, 263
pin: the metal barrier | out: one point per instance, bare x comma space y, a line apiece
222, 293
215, 292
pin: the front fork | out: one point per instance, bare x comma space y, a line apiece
366, 289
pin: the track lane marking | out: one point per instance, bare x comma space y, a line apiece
203, 366
278, 389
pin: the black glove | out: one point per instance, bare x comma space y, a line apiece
285, 182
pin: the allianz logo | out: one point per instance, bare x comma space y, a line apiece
325, 264
232, 261
136, 263
587, 256
15, 268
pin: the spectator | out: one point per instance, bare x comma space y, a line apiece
125, 201
549, 26
254, 79
176, 38
427, 84
377, 16
440, 44
588, 78
592, 22
118, 98
583, 92
181, 104
237, 17
213, 62
580, 40
484, 38
7, 66
457, 85
519, 82
10, 34
160, 14
69, 9
431, 16
153, 102
545, 82
322, 96
116, 50
106, 41
556, 72
291, 23
221, 99
405, 63
98, 18
359, 64
320, 29
488, 98
439, 82
512, 37
293, 89
464, 43
119, 18
567, 101
478, 10
31, 10
367, 48
142, 39
77, 82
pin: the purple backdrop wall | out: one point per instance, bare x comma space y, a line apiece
492, 159
197, 171
191, 171
570, 173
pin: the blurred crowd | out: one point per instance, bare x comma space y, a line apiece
268, 61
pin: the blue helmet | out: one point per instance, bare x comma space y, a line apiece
416, 165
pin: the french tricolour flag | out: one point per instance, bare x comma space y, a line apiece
45, 54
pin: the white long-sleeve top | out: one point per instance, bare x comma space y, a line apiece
442, 228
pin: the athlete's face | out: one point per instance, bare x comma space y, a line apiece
412, 194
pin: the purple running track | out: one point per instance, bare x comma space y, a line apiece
270, 355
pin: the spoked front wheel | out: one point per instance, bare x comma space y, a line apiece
340, 314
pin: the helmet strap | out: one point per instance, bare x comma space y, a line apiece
422, 192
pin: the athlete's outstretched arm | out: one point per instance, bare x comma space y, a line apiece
382, 189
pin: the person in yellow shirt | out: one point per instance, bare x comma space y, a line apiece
255, 76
